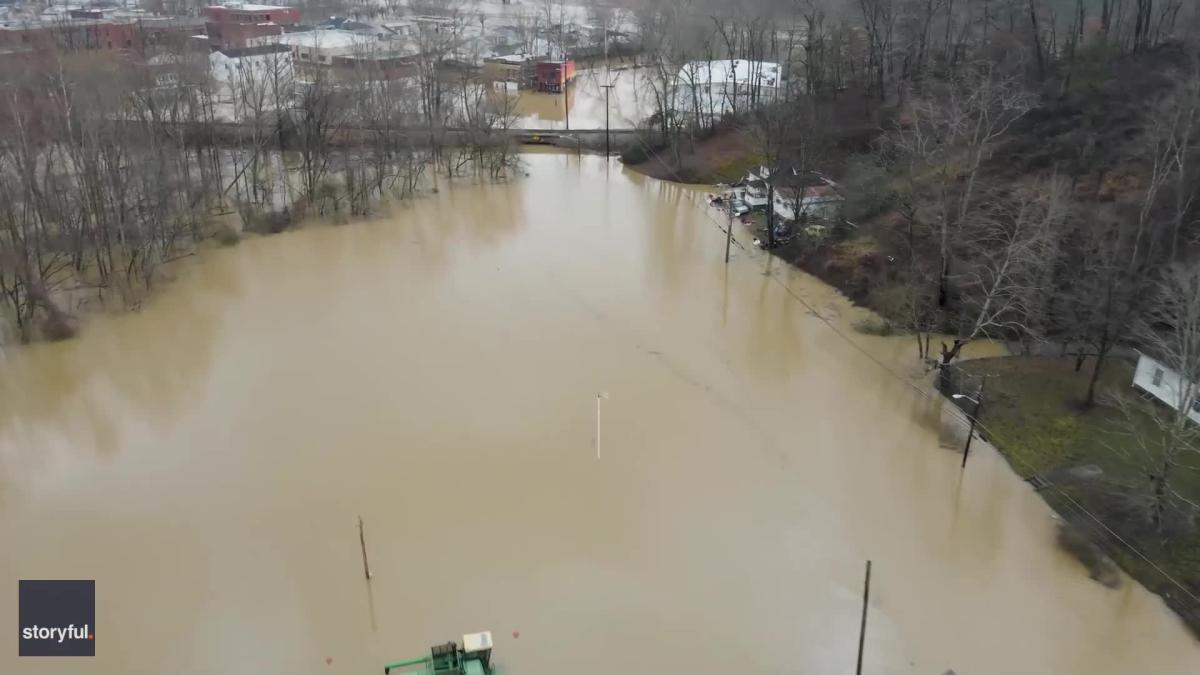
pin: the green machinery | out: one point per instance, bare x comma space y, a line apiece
475, 658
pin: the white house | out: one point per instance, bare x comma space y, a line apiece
719, 87
797, 193
321, 46
819, 201
253, 79
1160, 381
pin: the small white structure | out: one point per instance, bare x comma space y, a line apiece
1160, 381
321, 46
714, 88
403, 29
811, 201
477, 642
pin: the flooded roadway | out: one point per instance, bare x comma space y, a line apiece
436, 372
630, 101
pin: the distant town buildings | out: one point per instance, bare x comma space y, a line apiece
69, 34
223, 46
109, 28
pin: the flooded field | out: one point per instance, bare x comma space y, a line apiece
436, 371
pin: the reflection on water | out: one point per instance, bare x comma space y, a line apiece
435, 372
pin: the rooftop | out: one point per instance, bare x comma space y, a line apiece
509, 58
326, 39
249, 7
260, 50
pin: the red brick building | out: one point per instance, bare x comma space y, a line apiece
237, 26
554, 76
252, 14
71, 35
241, 35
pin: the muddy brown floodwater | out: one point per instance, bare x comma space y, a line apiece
630, 101
436, 372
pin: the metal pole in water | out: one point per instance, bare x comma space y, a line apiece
862, 628
607, 133
606, 87
599, 396
974, 419
362, 542
728, 230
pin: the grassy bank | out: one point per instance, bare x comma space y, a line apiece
1033, 415
722, 157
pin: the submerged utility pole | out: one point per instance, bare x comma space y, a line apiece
728, 228
607, 137
978, 401
862, 628
362, 542
599, 395
606, 86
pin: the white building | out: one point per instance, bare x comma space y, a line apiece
720, 87
796, 193
252, 80
1160, 381
321, 46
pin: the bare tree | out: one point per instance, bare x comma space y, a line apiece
952, 131
1009, 247
879, 22
771, 129
319, 114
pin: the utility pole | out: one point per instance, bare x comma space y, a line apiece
728, 228
362, 542
607, 137
978, 401
606, 86
862, 628
600, 395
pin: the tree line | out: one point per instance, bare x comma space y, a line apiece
1028, 168
112, 166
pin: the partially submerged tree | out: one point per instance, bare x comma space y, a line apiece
1007, 250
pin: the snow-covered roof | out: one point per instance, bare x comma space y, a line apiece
515, 59
761, 73
326, 39
248, 7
